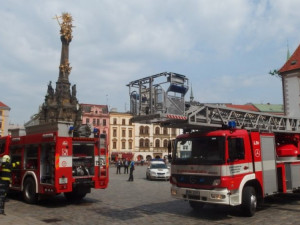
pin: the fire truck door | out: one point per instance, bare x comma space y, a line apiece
268, 164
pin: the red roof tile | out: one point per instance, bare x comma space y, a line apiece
293, 63
243, 107
3, 105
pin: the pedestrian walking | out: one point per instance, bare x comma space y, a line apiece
5, 180
131, 169
126, 165
119, 164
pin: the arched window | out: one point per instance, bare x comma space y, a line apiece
157, 130
165, 143
146, 143
141, 143
141, 129
146, 130
165, 130
157, 143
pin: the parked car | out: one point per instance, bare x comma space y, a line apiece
158, 170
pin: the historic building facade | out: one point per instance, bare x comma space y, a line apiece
97, 116
145, 141
121, 133
4, 116
151, 140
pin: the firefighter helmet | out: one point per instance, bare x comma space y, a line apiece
6, 158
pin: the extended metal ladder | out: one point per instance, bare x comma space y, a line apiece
208, 116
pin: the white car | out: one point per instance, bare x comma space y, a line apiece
158, 170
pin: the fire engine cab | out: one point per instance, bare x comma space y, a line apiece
55, 159
224, 156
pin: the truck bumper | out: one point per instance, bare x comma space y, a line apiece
215, 196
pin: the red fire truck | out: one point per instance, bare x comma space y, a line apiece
225, 156
55, 159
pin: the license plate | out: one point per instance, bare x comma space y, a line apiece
63, 180
192, 192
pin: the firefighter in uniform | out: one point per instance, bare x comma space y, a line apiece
5, 179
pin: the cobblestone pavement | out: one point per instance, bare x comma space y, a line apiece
142, 202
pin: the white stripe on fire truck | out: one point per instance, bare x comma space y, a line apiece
65, 161
215, 170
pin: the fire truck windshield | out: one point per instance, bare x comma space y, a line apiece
200, 150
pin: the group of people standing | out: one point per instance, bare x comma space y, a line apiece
126, 164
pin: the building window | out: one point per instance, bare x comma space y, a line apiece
104, 122
130, 133
98, 122
173, 131
141, 130
130, 145
94, 122
123, 122
157, 130
123, 133
87, 120
141, 143
157, 143
114, 145
114, 132
165, 143
165, 130
147, 143
115, 121
123, 144
146, 130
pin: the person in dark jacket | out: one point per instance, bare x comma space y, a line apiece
126, 164
119, 164
5, 179
131, 169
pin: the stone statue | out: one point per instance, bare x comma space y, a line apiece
74, 90
50, 90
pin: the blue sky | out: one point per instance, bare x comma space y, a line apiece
225, 47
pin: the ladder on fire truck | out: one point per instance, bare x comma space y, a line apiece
163, 103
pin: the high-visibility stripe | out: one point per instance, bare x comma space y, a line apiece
5, 178
6, 170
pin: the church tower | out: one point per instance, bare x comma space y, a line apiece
290, 74
61, 104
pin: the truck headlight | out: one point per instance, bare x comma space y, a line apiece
217, 196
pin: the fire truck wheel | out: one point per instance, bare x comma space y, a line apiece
196, 205
29, 191
249, 201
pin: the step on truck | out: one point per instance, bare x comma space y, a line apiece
224, 156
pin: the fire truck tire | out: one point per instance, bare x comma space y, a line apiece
196, 205
29, 191
249, 201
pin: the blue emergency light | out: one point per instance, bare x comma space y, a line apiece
231, 124
96, 130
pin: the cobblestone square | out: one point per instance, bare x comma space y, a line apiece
142, 202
